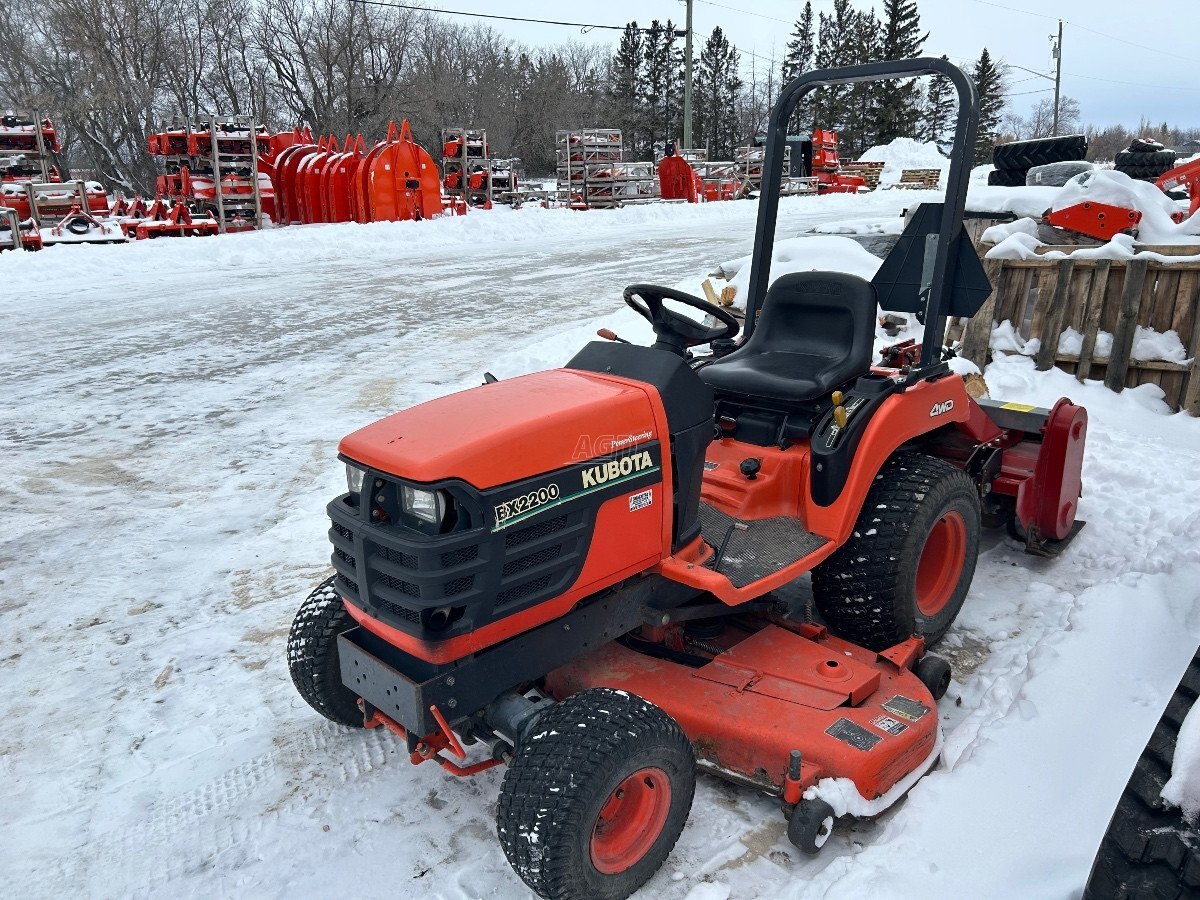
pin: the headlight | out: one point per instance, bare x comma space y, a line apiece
429, 506
354, 478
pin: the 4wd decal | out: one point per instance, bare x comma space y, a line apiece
631, 470
940, 409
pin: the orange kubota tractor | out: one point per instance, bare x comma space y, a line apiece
575, 572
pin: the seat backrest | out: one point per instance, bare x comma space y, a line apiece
820, 314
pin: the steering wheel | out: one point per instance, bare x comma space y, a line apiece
677, 332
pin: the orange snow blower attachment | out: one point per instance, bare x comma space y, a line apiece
399, 180
677, 180
393, 181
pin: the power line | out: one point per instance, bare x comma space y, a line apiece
585, 26
1157, 50
1161, 87
1112, 37
746, 12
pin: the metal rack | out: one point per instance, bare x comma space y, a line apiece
467, 167
224, 149
23, 159
591, 166
233, 148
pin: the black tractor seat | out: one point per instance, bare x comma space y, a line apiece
816, 333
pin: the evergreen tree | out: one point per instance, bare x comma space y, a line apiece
625, 92
990, 88
864, 100
799, 59
900, 101
847, 37
937, 119
831, 104
661, 84
715, 95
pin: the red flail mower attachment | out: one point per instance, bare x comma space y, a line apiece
129, 214
80, 227
17, 133
176, 221
1033, 458
16, 234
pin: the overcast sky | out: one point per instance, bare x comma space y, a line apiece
1114, 80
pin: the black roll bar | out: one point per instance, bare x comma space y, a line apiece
957, 184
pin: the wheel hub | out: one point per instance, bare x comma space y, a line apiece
630, 820
941, 564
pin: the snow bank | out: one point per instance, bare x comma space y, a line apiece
817, 253
1148, 344
842, 793
1118, 189
1183, 788
998, 233
905, 153
1021, 245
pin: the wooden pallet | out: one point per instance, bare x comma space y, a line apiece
869, 172
919, 179
1043, 297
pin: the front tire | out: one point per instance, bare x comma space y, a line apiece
312, 655
596, 797
908, 564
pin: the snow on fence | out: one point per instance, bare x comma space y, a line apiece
1098, 319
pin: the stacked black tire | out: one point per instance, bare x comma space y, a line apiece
1013, 161
1145, 160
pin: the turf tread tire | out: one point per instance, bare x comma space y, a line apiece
579, 750
312, 655
1149, 851
864, 591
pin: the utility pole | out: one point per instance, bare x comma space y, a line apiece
1057, 76
687, 80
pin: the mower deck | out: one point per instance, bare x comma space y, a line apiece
850, 712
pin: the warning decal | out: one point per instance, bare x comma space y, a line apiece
888, 724
906, 708
855, 735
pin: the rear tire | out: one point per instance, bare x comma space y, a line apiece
597, 797
312, 655
908, 564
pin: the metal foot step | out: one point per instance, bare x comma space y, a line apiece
749, 551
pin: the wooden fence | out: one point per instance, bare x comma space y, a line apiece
1042, 298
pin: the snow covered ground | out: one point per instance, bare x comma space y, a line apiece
171, 412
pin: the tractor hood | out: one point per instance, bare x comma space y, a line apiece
509, 430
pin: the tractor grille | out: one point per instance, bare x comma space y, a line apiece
481, 574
